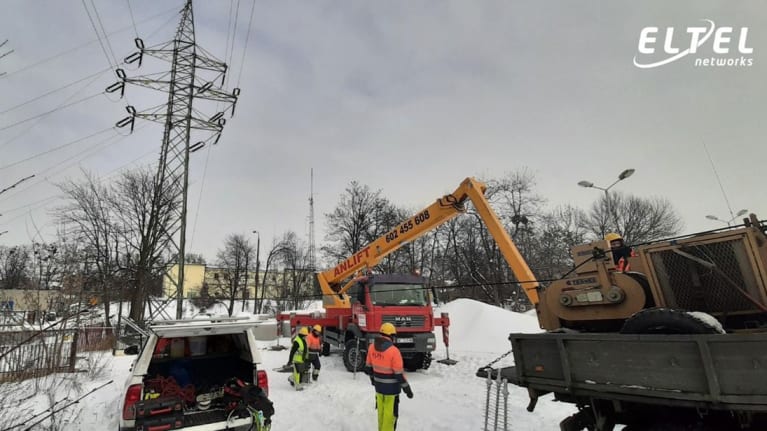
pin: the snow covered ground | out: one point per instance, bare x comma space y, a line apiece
446, 397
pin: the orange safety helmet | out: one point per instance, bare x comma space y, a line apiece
387, 329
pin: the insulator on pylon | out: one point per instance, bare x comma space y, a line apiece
235, 94
120, 85
128, 120
205, 87
196, 147
136, 56
216, 117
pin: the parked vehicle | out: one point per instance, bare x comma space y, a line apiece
357, 302
197, 375
677, 343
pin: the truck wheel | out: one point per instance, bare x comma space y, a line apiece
668, 321
419, 361
325, 349
354, 358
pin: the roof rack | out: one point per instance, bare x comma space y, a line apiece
211, 319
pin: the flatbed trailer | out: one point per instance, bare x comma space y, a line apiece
648, 382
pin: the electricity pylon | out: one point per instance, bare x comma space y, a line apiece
185, 84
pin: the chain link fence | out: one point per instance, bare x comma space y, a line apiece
30, 354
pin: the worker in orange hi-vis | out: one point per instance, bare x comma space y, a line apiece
621, 252
314, 344
384, 365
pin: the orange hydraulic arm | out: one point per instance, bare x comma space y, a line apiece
444, 209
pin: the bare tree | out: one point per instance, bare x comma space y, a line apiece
297, 276
235, 258
14, 267
144, 213
637, 219
361, 216
90, 219
558, 231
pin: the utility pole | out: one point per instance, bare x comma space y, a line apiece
192, 77
258, 269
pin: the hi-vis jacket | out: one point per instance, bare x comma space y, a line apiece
314, 344
384, 364
298, 351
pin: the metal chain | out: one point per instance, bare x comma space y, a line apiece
497, 359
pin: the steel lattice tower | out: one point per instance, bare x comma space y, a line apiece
184, 84
312, 257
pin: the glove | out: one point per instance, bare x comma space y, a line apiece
408, 391
372, 382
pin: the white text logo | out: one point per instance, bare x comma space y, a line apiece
729, 46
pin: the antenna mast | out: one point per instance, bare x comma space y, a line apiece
312, 257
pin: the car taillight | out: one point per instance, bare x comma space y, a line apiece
263, 381
131, 397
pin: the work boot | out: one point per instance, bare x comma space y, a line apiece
315, 374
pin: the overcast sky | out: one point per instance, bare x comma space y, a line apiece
409, 97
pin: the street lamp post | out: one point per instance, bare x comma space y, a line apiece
728, 222
258, 264
622, 176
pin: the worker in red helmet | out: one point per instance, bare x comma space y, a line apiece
384, 365
314, 343
620, 251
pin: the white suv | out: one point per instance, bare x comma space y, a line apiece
197, 375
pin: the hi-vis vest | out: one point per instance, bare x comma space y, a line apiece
298, 357
313, 343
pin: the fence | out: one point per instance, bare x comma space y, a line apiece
30, 354
496, 403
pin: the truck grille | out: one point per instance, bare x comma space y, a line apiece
405, 321
690, 285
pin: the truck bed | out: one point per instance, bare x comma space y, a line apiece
722, 372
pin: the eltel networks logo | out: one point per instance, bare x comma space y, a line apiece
728, 47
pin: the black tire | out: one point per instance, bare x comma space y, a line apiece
325, 349
354, 359
666, 321
413, 363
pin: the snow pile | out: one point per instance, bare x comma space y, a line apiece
482, 328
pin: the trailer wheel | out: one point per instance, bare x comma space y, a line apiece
667, 321
354, 357
325, 349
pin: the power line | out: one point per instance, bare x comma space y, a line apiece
55, 148
55, 90
41, 202
98, 36
247, 37
86, 98
106, 36
62, 167
130, 10
90, 42
234, 35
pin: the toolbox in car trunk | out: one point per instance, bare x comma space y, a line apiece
165, 422
158, 407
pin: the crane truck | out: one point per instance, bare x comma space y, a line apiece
679, 342
357, 302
